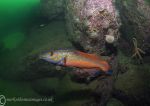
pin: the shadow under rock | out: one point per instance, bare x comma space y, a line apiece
36, 69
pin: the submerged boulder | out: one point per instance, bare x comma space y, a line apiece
99, 25
52, 9
95, 24
90, 22
135, 17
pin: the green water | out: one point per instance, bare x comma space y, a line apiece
13, 40
24, 34
17, 13
21, 36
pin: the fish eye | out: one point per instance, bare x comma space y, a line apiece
51, 53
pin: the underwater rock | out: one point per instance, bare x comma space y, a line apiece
95, 25
144, 8
114, 102
130, 99
135, 17
41, 86
33, 71
52, 9
93, 20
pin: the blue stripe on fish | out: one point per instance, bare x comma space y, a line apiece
98, 73
60, 62
109, 72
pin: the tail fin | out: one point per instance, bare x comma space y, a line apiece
98, 73
109, 72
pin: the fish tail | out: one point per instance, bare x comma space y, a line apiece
98, 73
104, 66
109, 72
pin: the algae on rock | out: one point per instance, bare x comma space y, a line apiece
52, 9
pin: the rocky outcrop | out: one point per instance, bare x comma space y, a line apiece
90, 22
99, 25
52, 9
95, 24
135, 24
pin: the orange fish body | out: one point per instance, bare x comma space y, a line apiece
88, 62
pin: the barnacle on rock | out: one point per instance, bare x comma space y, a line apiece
77, 20
87, 23
109, 38
93, 35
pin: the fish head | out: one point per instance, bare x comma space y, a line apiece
53, 57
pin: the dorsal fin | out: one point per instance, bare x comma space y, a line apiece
103, 65
87, 55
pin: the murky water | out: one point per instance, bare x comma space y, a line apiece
23, 32
27, 81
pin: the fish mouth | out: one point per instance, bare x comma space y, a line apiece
42, 57
46, 59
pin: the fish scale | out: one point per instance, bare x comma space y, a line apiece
89, 64
76, 59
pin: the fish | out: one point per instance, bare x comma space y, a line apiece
88, 63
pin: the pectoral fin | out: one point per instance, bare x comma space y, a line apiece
62, 61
